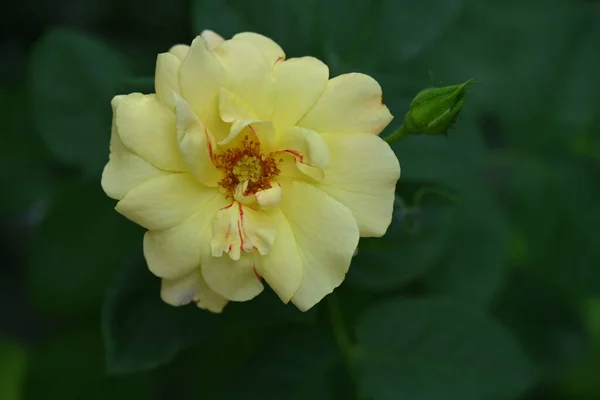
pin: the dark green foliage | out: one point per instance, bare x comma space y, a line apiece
486, 286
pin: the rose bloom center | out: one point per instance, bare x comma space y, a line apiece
246, 163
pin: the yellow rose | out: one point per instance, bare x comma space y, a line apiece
246, 166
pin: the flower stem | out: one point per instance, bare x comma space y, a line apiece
398, 134
342, 338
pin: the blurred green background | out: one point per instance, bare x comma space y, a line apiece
487, 285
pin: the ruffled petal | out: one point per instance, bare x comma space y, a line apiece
180, 51
299, 83
268, 47
213, 39
192, 287
282, 266
197, 145
239, 229
124, 170
362, 176
248, 74
200, 78
234, 280
305, 145
351, 103
166, 79
326, 235
175, 252
164, 202
148, 129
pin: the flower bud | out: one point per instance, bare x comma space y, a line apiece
435, 109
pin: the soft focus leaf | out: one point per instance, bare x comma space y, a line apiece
73, 78
142, 332
13, 361
71, 367
437, 349
24, 174
76, 250
413, 243
296, 367
547, 325
476, 258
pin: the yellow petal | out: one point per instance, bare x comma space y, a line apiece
124, 170
200, 78
175, 252
299, 82
213, 40
147, 128
166, 80
164, 202
192, 287
180, 51
351, 103
282, 267
268, 47
269, 198
363, 176
232, 108
305, 145
239, 229
196, 144
236, 111
326, 234
248, 75
234, 280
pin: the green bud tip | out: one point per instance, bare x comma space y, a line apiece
434, 110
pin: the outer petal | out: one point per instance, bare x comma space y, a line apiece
197, 144
299, 82
234, 280
124, 170
363, 176
175, 252
269, 48
326, 234
180, 51
164, 202
351, 103
200, 78
248, 74
213, 40
190, 288
147, 128
282, 267
166, 80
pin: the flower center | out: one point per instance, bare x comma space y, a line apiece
247, 164
248, 168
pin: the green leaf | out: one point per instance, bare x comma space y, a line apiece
13, 361
405, 252
73, 78
554, 209
474, 265
77, 248
142, 332
25, 176
547, 325
292, 24
71, 367
436, 349
297, 366
581, 381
